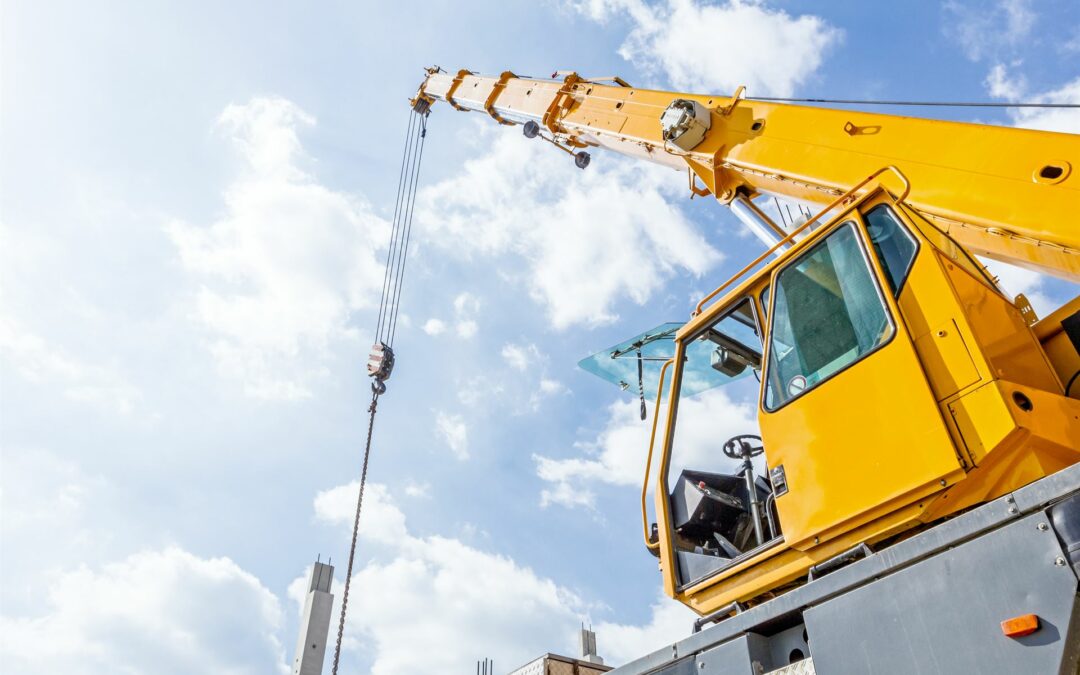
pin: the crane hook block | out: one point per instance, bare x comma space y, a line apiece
381, 361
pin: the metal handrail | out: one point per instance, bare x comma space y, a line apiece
786, 240
649, 544
837, 561
771, 499
722, 613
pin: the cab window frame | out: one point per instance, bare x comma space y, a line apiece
757, 310
853, 220
680, 360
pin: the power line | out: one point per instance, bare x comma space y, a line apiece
938, 104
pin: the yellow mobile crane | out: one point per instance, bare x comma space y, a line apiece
919, 506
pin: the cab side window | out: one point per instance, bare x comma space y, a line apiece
828, 313
894, 246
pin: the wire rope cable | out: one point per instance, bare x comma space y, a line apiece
408, 221
391, 249
386, 324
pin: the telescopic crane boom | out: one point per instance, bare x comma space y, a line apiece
1009, 194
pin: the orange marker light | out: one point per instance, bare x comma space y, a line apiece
1019, 626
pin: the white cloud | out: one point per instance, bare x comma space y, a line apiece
52, 512
287, 262
434, 327
1003, 84
466, 306
547, 389
984, 31
526, 357
617, 456
154, 612
520, 388
481, 391
551, 387
418, 490
466, 328
435, 604
1000, 84
381, 520
1073, 44
766, 49
1064, 120
42, 492
997, 34
562, 492
670, 622
454, 432
520, 356
37, 361
588, 239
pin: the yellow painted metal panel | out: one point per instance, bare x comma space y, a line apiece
983, 420
1006, 341
893, 442
1059, 348
946, 359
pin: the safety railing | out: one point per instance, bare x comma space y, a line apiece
788, 239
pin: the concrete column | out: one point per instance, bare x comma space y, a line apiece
315, 624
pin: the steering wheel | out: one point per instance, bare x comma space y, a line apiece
741, 447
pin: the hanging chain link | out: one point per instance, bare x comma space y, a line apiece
355, 531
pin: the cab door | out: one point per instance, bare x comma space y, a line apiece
851, 426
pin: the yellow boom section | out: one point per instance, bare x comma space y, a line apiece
1009, 194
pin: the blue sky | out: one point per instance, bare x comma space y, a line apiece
194, 213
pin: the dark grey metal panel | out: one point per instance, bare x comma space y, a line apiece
939, 538
1043, 490
942, 615
736, 657
787, 647
684, 667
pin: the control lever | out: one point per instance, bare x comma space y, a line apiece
740, 447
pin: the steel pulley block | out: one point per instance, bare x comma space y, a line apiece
381, 361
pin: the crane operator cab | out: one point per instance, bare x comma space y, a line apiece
802, 379
836, 398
